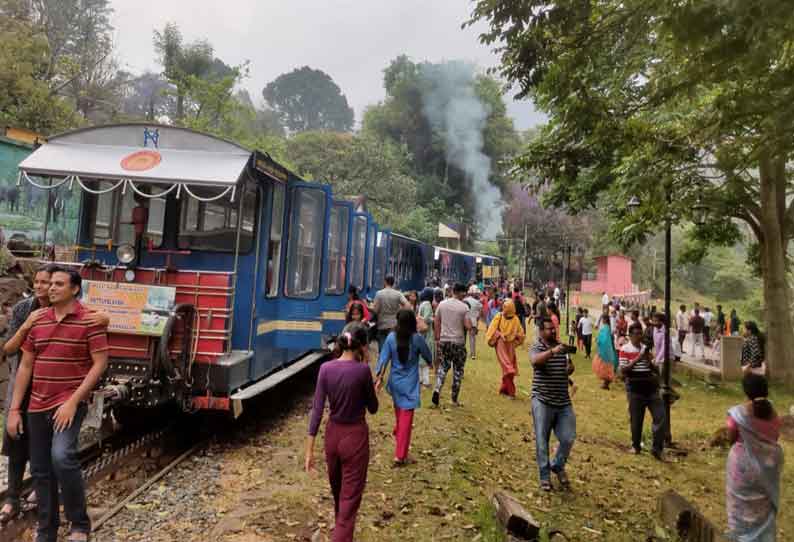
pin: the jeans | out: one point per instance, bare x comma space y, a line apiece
653, 402
697, 342
563, 421
54, 463
472, 334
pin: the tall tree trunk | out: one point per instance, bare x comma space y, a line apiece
777, 308
180, 104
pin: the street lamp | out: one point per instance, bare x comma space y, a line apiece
699, 211
633, 204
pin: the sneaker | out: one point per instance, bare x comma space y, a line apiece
545, 485
435, 398
636, 451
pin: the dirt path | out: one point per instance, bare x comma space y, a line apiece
463, 455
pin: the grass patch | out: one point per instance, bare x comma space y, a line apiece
21, 223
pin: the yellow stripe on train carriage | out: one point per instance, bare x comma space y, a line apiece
288, 325
333, 315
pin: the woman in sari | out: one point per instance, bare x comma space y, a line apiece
605, 360
754, 465
505, 334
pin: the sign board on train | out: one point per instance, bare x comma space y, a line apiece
137, 309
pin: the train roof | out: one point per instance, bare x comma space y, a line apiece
125, 154
402, 236
463, 253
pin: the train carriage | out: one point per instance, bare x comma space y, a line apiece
223, 272
237, 245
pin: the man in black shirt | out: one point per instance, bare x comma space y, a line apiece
551, 404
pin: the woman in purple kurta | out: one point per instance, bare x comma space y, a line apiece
348, 386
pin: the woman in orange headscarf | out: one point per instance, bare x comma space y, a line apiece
505, 334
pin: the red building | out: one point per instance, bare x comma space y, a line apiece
613, 277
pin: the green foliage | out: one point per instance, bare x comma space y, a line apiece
25, 97
648, 96
306, 99
675, 102
402, 118
365, 165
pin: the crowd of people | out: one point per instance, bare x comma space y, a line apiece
58, 352
434, 327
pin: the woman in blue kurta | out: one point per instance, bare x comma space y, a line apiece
402, 349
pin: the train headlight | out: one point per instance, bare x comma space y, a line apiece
129, 275
125, 253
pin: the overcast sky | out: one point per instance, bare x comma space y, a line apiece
352, 41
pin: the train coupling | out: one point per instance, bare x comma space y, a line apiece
101, 401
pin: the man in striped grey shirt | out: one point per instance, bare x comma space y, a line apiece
642, 387
551, 404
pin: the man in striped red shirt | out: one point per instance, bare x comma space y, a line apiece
63, 358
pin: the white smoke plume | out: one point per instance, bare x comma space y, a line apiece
455, 112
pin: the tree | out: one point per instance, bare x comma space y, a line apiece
670, 101
365, 165
306, 99
255, 122
182, 63
80, 64
25, 97
149, 96
453, 121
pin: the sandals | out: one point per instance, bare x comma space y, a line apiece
8, 515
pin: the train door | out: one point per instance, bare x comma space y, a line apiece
338, 272
372, 232
288, 317
358, 252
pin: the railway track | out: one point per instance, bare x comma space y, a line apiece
98, 461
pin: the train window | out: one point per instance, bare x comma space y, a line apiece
113, 216
274, 246
380, 258
337, 250
212, 225
304, 246
371, 258
359, 246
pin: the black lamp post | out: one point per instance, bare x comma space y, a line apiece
699, 215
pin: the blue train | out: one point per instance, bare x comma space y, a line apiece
226, 273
